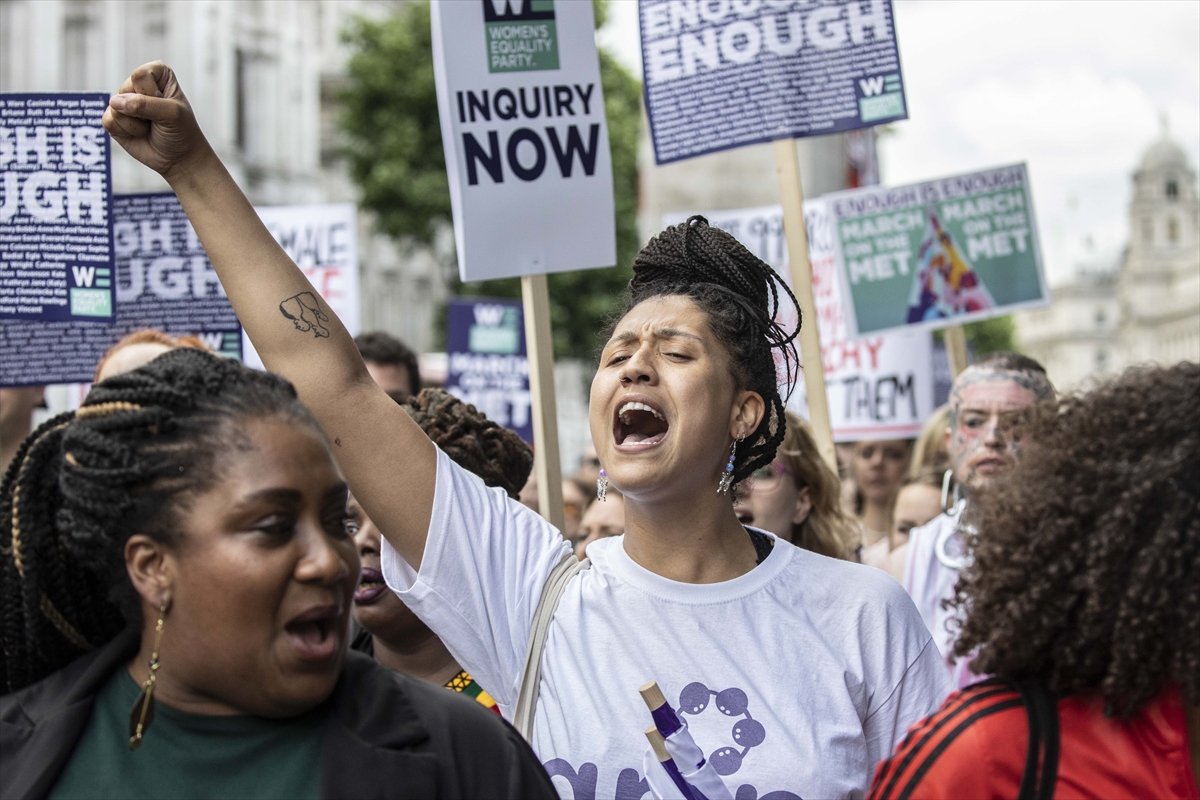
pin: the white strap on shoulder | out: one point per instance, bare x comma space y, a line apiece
531, 678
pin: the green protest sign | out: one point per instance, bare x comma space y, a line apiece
938, 253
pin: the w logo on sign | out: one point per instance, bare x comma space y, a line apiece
490, 316
504, 8
517, 10
84, 276
871, 86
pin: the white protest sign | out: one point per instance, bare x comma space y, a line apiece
524, 131
878, 387
323, 241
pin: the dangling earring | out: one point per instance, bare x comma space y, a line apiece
602, 486
143, 708
727, 476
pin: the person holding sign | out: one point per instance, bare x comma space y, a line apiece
684, 406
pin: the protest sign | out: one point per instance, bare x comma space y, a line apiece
56, 260
323, 241
878, 387
486, 360
938, 253
523, 127
165, 281
720, 74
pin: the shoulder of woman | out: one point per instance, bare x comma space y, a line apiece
78, 681
961, 750
40, 723
475, 749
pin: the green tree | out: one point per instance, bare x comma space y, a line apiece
988, 335
395, 151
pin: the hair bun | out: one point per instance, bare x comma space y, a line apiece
695, 252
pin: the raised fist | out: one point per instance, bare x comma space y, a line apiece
153, 121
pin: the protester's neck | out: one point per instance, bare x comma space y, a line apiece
876, 520
696, 539
426, 658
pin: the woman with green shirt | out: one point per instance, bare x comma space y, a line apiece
177, 579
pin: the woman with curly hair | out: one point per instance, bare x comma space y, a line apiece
824, 663
1084, 601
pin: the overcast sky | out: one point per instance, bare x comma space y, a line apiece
1074, 89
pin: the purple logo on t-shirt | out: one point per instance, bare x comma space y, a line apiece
694, 700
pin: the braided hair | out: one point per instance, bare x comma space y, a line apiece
142, 444
742, 297
472, 440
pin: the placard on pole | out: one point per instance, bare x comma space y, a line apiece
729, 75
791, 195
527, 157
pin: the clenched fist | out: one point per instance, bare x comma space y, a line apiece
151, 118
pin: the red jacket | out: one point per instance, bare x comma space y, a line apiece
975, 747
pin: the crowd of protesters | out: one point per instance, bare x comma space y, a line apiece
325, 581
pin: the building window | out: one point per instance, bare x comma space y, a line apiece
1148, 231
1101, 318
78, 26
1101, 360
1173, 230
1172, 190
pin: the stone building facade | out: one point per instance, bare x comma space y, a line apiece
1144, 307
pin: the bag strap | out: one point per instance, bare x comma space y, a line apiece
531, 677
1041, 758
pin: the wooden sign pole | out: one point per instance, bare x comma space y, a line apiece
787, 171
535, 295
956, 349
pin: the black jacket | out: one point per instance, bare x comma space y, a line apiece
387, 736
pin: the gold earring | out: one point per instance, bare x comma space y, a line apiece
143, 708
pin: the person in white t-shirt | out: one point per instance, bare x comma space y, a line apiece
988, 402
795, 672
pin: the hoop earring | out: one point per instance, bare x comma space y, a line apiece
727, 476
602, 486
143, 708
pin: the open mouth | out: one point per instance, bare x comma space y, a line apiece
370, 587
315, 633
990, 466
744, 515
639, 424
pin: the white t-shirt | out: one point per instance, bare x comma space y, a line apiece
795, 678
929, 582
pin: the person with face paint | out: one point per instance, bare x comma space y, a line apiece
796, 673
1082, 602
989, 402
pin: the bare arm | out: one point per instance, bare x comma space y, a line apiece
388, 460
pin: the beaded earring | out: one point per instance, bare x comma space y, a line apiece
727, 475
602, 486
143, 709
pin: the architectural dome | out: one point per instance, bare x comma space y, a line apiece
1164, 153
